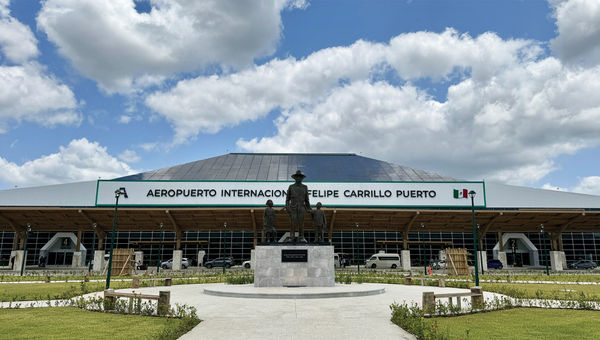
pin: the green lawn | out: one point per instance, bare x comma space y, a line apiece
545, 291
51, 291
522, 323
74, 323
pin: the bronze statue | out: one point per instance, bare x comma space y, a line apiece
319, 221
269, 229
296, 204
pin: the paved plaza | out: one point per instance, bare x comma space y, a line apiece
362, 317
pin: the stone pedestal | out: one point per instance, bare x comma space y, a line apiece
252, 259
405, 257
139, 258
563, 259
77, 259
18, 262
201, 254
314, 270
98, 261
502, 258
556, 260
482, 260
177, 255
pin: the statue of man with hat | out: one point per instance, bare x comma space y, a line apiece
296, 204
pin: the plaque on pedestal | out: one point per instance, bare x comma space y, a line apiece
300, 265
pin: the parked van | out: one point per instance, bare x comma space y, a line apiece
383, 260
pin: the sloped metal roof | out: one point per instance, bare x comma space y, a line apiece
279, 167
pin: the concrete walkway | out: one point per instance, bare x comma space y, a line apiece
365, 317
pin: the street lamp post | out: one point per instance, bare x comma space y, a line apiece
424, 250
472, 195
94, 225
481, 254
224, 246
118, 192
160, 246
25, 249
545, 252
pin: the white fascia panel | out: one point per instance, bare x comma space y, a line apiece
510, 196
81, 194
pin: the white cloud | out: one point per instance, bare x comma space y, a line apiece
26, 92
548, 186
507, 127
124, 119
148, 146
4, 11
110, 42
207, 104
79, 161
17, 42
578, 23
588, 185
129, 156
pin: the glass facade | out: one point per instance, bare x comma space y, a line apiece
353, 244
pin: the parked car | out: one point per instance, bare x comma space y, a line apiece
246, 264
169, 264
219, 262
383, 260
494, 264
440, 264
583, 264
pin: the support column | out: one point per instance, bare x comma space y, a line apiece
502, 258
178, 240
177, 255
18, 259
556, 260
500, 243
77, 258
482, 258
98, 265
79, 235
139, 258
21, 240
100, 234
405, 240
15, 241
331, 227
405, 256
563, 257
201, 254
501, 252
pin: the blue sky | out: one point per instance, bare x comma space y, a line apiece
495, 90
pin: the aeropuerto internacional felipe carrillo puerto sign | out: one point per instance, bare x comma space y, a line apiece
333, 194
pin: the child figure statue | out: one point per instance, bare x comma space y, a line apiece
319, 221
269, 229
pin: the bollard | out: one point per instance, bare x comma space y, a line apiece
477, 301
168, 281
164, 302
135, 282
407, 281
442, 283
428, 302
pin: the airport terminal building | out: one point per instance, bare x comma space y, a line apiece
215, 206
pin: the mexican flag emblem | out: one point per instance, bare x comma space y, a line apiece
462, 193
